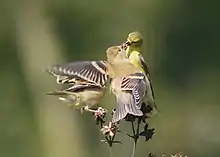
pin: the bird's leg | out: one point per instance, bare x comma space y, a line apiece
86, 108
100, 111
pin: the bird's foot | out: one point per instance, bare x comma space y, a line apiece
86, 108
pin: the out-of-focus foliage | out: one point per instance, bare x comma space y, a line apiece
181, 47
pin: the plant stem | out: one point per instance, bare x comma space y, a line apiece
135, 141
110, 151
110, 141
134, 149
132, 124
135, 136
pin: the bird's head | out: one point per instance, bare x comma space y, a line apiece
134, 41
113, 52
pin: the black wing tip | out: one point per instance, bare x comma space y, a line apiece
138, 74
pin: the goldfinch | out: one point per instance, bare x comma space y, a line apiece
133, 52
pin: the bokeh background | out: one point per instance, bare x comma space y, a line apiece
181, 46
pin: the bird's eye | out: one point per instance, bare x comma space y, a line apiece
134, 42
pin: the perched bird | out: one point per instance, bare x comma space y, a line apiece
133, 52
82, 96
127, 84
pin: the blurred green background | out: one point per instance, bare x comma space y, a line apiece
182, 48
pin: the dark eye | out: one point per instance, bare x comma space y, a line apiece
128, 43
134, 42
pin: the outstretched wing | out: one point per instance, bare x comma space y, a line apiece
136, 83
94, 72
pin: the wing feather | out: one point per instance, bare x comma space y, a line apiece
147, 73
92, 71
136, 83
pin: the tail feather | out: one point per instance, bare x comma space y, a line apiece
125, 105
64, 96
56, 93
155, 110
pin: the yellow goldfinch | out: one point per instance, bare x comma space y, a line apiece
133, 52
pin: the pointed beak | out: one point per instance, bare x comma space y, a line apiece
128, 43
123, 46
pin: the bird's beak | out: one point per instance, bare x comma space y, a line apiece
123, 46
128, 43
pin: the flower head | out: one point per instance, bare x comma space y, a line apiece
99, 115
110, 129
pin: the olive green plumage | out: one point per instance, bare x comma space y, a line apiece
133, 52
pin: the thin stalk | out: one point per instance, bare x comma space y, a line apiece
109, 140
134, 149
135, 136
110, 151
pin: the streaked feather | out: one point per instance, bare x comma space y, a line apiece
125, 105
81, 87
91, 71
137, 84
129, 92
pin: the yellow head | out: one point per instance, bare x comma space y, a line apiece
135, 39
134, 42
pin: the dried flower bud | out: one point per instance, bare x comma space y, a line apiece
110, 129
99, 115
